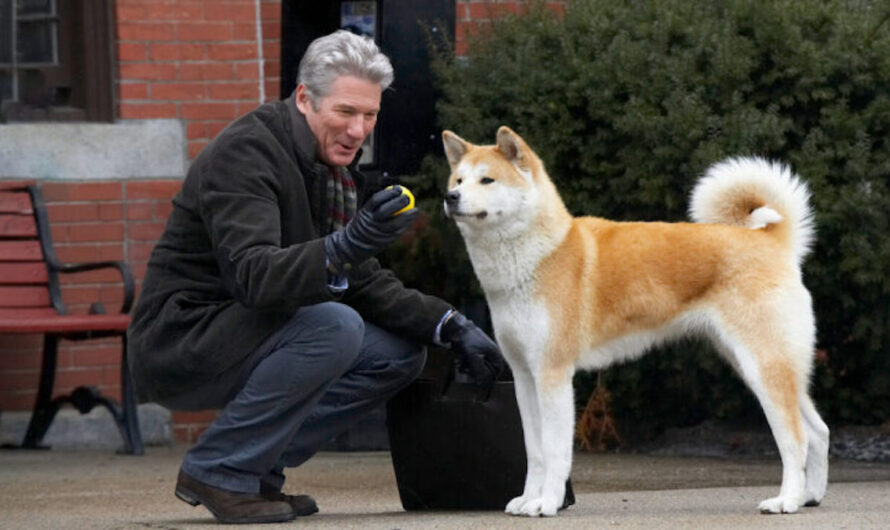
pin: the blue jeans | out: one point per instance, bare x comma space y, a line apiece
307, 383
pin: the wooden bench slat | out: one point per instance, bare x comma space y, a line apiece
66, 324
24, 297
17, 225
20, 251
27, 313
15, 202
23, 273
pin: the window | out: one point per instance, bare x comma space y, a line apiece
55, 60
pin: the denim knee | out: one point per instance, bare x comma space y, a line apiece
334, 330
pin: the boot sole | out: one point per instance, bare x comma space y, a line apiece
189, 497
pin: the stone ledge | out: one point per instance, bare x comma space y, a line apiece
130, 149
94, 430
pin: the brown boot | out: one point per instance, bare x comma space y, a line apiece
232, 507
301, 504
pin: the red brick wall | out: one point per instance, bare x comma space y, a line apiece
193, 60
196, 60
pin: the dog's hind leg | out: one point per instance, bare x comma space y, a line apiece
773, 379
557, 419
529, 411
817, 452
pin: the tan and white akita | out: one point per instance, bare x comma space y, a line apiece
569, 293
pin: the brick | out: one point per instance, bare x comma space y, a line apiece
139, 111
271, 29
81, 191
66, 380
215, 127
111, 211
132, 51
244, 31
233, 91
16, 343
195, 148
204, 31
153, 189
25, 380
17, 400
107, 356
163, 210
146, 31
247, 70
129, 13
208, 111
273, 90
19, 361
271, 68
272, 49
64, 211
134, 91
145, 231
104, 275
148, 71
206, 71
179, 91
178, 11
195, 130
231, 52
176, 52
96, 232
139, 250
244, 12
270, 10
202, 417
89, 252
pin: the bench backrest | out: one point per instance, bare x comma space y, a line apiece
28, 285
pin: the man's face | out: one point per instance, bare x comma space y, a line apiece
344, 118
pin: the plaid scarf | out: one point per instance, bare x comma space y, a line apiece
341, 199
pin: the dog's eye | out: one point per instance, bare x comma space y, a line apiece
460, 181
486, 180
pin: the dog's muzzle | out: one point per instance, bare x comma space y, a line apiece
452, 200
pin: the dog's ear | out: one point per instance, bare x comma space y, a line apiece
455, 147
513, 147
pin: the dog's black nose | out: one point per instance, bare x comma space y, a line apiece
452, 197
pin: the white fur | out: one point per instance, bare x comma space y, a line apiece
526, 223
782, 189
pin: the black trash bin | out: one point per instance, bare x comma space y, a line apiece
454, 445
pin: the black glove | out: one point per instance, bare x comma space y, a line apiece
373, 228
478, 354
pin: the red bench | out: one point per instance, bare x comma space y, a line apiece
31, 303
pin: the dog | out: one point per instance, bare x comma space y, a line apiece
568, 293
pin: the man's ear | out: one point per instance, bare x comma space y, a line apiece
513, 148
302, 99
455, 147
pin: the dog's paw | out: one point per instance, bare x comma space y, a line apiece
535, 507
779, 505
514, 507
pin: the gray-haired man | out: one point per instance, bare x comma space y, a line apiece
263, 298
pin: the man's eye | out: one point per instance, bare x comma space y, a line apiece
486, 180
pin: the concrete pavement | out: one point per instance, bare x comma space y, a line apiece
98, 489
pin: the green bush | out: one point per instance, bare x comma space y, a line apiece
628, 102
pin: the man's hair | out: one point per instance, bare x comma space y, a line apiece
342, 53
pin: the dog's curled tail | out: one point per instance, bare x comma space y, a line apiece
757, 194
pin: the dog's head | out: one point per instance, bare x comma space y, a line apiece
491, 185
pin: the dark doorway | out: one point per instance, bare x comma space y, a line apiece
407, 128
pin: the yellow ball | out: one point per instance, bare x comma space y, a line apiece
405, 191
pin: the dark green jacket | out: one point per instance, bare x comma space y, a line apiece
241, 252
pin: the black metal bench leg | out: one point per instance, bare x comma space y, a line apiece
45, 408
130, 417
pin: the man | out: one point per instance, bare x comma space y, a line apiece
263, 298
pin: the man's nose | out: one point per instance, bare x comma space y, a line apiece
356, 127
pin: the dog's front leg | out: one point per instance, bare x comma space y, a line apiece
557, 415
527, 399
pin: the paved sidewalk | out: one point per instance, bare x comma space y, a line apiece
93, 489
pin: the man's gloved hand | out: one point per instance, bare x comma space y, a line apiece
478, 354
373, 228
